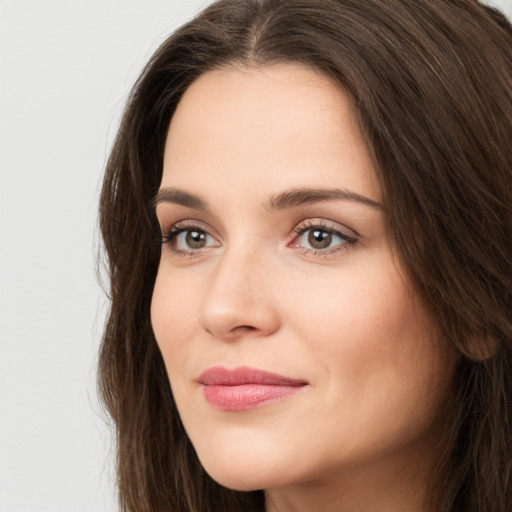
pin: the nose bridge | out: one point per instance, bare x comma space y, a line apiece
239, 297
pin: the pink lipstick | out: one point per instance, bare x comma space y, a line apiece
245, 388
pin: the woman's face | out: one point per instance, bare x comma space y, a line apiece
295, 346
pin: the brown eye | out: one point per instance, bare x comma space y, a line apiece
187, 240
195, 239
323, 240
319, 238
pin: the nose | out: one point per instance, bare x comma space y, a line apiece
239, 300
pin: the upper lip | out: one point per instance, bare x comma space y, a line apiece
220, 376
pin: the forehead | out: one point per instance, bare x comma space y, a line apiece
279, 122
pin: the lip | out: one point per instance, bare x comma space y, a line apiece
245, 388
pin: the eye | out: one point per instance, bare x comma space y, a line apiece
320, 239
192, 239
185, 239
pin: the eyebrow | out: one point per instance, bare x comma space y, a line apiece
300, 196
178, 196
284, 200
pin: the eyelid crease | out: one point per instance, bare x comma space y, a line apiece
187, 225
331, 226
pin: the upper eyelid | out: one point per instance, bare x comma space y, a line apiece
327, 225
304, 224
184, 225
346, 238
171, 214
334, 231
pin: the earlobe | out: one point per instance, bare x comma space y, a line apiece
480, 349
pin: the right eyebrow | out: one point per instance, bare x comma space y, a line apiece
177, 196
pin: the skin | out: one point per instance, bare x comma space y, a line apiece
361, 436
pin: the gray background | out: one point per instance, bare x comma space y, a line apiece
65, 69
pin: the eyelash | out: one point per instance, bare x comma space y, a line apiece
183, 227
177, 229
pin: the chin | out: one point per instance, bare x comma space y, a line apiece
246, 480
245, 472
235, 483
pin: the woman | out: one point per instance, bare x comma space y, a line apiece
326, 322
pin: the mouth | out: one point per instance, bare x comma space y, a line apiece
245, 388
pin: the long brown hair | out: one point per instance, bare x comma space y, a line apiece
431, 81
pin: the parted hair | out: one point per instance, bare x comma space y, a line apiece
431, 83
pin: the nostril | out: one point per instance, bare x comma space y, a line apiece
244, 328
240, 329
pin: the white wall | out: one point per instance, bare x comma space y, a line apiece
504, 5
65, 69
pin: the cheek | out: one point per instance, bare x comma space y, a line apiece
364, 311
375, 348
173, 318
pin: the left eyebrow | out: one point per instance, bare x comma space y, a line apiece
300, 196
178, 196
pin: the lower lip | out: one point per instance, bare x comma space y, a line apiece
246, 396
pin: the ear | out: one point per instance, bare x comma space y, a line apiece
480, 348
